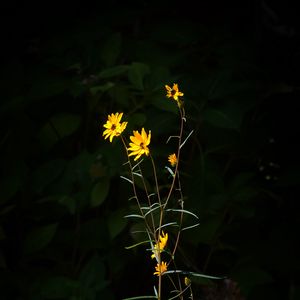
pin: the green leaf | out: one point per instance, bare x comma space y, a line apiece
58, 127
182, 211
141, 297
134, 216
113, 72
158, 78
47, 86
137, 73
94, 235
65, 124
137, 244
99, 192
116, 223
244, 194
58, 288
101, 88
39, 238
47, 173
92, 275
78, 172
219, 119
163, 103
68, 202
192, 274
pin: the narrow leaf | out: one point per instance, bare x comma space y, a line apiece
134, 216
190, 227
127, 179
141, 297
137, 244
168, 224
192, 274
186, 139
152, 210
183, 211
170, 171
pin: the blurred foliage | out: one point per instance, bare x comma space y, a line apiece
62, 231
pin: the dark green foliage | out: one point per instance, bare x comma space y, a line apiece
62, 202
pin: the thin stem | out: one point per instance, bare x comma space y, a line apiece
148, 197
160, 223
170, 192
178, 156
181, 218
133, 185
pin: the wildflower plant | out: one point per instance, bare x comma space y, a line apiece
157, 206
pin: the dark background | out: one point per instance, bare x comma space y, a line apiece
65, 67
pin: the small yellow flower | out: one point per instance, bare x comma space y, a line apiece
113, 126
172, 159
163, 238
187, 281
173, 92
139, 143
160, 268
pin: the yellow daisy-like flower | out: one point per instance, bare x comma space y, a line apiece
163, 239
113, 126
139, 144
160, 268
187, 281
173, 92
172, 159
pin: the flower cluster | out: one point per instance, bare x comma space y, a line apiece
139, 141
157, 249
138, 146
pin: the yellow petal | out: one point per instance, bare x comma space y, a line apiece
149, 138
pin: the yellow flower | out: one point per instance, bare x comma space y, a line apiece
139, 143
113, 126
172, 159
160, 268
160, 246
187, 281
173, 92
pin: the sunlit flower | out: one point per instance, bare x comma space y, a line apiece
113, 126
173, 92
160, 268
172, 159
158, 248
187, 281
139, 144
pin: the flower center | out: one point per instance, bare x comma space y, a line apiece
113, 126
173, 92
142, 145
